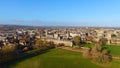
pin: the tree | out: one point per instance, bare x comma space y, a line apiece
103, 41
106, 56
8, 52
89, 39
113, 35
100, 54
38, 44
77, 41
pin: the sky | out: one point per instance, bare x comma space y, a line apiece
97, 13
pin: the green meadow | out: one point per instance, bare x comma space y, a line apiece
59, 58
114, 50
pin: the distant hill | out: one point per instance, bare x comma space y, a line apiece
12, 26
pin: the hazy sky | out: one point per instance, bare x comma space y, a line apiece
60, 12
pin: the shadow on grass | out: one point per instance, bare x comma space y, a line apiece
14, 62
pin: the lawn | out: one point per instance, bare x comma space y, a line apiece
55, 58
88, 44
58, 58
114, 50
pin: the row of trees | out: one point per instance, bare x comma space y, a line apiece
78, 41
41, 44
10, 52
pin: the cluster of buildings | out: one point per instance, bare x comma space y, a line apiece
87, 34
24, 38
59, 35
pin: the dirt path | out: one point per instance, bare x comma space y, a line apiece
72, 49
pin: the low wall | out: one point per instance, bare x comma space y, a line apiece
67, 43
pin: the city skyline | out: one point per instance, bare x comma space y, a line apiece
103, 13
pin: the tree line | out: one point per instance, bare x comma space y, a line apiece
11, 52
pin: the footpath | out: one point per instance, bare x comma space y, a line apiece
72, 49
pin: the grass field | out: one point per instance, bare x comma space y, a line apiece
88, 44
58, 58
114, 50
